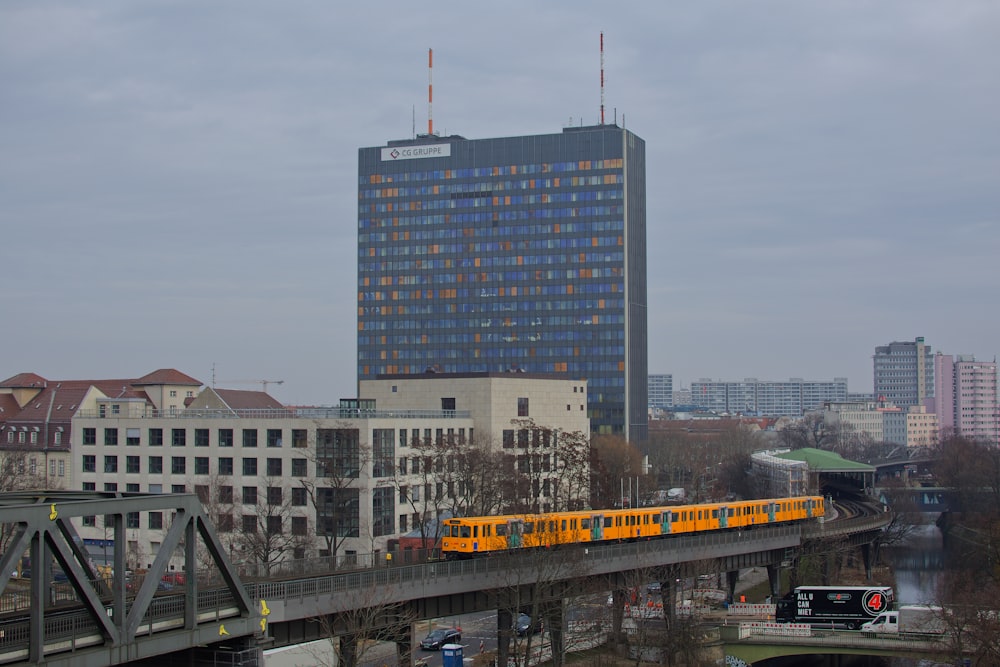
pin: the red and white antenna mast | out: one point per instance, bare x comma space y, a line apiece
430, 91
602, 78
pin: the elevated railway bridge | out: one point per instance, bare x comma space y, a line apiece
108, 620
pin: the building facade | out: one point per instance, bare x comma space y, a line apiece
768, 398
966, 397
903, 372
509, 254
661, 391
881, 421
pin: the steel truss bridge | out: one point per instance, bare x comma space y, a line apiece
212, 611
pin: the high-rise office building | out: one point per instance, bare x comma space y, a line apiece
661, 390
903, 372
510, 254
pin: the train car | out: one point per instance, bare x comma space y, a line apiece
465, 537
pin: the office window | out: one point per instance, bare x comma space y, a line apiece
156, 437
178, 437
110, 464
274, 467
89, 436
299, 468
89, 463
132, 520
132, 465
383, 451
249, 495
299, 497
156, 488
300, 525
274, 496
508, 438
224, 522
156, 520
155, 465
274, 525
110, 437
383, 511
201, 437
402, 523
249, 466
447, 403
131, 437
178, 488
300, 438
226, 465
225, 437
201, 465
522, 406
62, 468
249, 437
178, 465
250, 524
274, 437
226, 495
132, 488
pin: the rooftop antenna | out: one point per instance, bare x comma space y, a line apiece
430, 91
602, 77
413, 130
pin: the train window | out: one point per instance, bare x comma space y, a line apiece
563, 524
572, 524
618, 521
715, 514
454, 531
674, 517
552, 526
465, 532
529, 528
730, 511
501, 530
487, 530
475, 531
645, 519
541, 526
607, 521
585, 524
656, 518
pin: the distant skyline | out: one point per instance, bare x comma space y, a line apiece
178, 180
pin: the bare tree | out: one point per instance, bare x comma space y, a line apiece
612, 460
353, 634
17, 474
810, 431
273, 528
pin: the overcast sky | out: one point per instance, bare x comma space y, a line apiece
178, 180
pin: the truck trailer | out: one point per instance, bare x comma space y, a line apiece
843, 606
920, 619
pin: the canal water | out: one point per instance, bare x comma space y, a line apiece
918, 563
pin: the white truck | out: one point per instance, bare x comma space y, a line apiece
908, 619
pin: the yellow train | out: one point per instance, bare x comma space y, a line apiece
465, 537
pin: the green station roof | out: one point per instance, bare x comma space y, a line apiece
820, 460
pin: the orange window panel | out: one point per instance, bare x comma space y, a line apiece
582, 257
496, 171
382, 355
593, 319
477, 262
437, 189
520, 260
569, 289
423, 338
371, 252
576, 351
593, 242
361, 311
385, 310
555, 228
600, 303
496, 201
513, 290
531, 184
555, 182
506, 200
388, 206
621, 366
447, 173
503, 291
477, 337
621, 240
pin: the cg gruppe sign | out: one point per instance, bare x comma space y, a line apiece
394, 153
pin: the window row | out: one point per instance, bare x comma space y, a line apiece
273, 467
199, 437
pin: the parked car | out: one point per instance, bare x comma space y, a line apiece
438, 638
523, 626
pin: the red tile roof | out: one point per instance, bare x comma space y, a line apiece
23, 381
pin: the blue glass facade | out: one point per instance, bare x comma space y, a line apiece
520, 253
